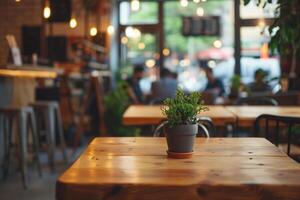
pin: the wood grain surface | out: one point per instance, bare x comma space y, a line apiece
246, 115
221, 168
152, 115
23, 73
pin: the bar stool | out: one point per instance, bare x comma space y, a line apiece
48, 113
21, 115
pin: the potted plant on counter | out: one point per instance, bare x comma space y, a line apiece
181, 125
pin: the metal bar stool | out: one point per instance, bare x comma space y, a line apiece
48, 113
20, 115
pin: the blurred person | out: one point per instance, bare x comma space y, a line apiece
259, 85
134, 90
165, 87
214, 84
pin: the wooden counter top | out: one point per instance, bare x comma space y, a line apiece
28, 72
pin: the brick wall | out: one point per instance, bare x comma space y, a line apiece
13, 15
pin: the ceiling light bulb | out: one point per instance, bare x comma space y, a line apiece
110, 30
73, 23
93, 31
47, 12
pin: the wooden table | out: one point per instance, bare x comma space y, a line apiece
152, 115
246, 115
23, 82
138, 168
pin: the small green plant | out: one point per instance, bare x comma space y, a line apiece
115, 105
183, 109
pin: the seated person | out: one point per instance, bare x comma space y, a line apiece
165, 87
214, 84
259, 85
134, 90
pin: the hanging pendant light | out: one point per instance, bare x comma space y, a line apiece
93, 31
73, 22
47, 10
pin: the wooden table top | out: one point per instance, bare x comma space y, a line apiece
152, 115
138, 168
246, 115
28, 72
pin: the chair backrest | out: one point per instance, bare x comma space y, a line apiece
257, 101
205, 127
270, 120
156, 101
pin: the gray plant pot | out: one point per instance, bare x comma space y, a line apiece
181, 138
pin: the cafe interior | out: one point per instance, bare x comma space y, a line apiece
149, 99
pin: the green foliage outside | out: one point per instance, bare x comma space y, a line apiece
184, 108
285, 30
115, 105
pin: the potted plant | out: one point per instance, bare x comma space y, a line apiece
181, 125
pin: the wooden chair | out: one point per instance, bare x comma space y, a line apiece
205, 127
95, 87
279, 122
48, 113
256, 101
22, 116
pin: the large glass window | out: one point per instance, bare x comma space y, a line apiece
146, 14
252, 11
255, 53
186, 54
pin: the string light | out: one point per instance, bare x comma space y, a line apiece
131, 32
184, 3
141, 45
93, 31
47, 10
166, 52
200, 11
124, 40
196, 1
135, 5
110, 30
217, 44
73, 22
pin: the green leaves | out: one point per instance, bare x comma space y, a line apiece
183, 109
287, 38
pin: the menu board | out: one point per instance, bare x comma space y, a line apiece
201, 26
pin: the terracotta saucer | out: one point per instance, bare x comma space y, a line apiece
179, 155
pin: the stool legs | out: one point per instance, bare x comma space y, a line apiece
6, 143
23, 147
50, 127
61, 135
35, 141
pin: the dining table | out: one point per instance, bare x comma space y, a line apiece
152, 115
19, 83
220, 168
246, 115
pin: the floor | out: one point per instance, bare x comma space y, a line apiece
39, 188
